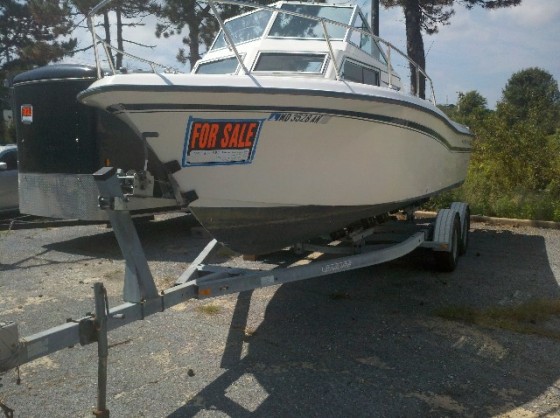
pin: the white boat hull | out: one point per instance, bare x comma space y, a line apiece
311, 156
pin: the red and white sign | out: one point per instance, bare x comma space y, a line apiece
26, 113
220, 141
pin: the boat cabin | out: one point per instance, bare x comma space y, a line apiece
301, 40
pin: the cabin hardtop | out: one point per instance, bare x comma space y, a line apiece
300, 39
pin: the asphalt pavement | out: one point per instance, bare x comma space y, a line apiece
365, 343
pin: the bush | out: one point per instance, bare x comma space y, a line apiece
514, 171
520, 205
515, 164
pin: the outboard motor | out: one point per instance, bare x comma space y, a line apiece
61, 143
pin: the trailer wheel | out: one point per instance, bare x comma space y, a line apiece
447, 260
463, 245
465, 217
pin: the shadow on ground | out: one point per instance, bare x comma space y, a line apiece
367, 343
163, 240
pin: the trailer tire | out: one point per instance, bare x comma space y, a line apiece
465, 218
464, 243
447, 260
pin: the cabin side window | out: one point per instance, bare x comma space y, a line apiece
289, 62
360, 74
223, 66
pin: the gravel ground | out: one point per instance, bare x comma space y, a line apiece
354, 344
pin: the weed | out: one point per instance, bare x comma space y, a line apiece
527, 318
209, 309
113, 275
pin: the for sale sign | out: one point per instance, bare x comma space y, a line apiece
220, 141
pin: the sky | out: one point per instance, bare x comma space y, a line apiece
480, 49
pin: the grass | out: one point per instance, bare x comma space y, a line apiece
166, 281
209, 309
520, 204
114, 275
527, 318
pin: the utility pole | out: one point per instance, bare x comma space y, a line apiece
375, 17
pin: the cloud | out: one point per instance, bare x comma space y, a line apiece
533, 13
481, 49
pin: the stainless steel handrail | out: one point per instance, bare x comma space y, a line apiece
228, 37
331, 50
106, 46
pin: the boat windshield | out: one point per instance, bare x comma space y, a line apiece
290, 26
244, 28
365, 42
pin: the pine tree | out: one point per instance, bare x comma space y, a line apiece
124, 11
30, 33
197, 19
30, 36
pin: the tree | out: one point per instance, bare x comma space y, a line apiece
130, 9
198, 20
515, 165
200, 24
470, 109
30, 32
123, 9
471, 102
533, 92
514, 169
427, 16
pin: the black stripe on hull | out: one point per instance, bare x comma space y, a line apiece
384, 119
251, 90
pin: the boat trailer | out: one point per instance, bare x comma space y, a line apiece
447, 236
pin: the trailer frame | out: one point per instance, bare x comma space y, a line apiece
367, 247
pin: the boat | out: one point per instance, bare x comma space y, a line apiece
293, 125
